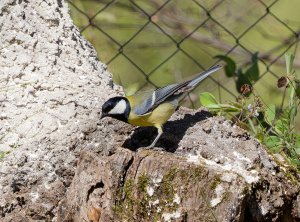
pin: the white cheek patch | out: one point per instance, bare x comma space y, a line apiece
119, 108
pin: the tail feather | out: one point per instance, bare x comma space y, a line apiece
203, 75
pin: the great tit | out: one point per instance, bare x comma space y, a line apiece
152, 108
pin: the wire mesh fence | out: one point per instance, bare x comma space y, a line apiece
161, 41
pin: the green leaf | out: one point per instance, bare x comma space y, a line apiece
207, 98
273, 143
222, 107
210, 102
236, 104
282, 125
270, 114
293, 113
230, 66
213, 106
230, 108
253, 72
289, 59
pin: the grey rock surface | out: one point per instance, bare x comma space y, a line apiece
216, 172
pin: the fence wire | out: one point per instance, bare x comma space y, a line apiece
188, 35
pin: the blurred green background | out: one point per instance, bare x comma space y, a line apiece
154, 43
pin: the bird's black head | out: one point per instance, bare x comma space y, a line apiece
116, 107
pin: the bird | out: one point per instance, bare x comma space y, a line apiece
154, 107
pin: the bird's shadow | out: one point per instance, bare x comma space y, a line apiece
172, 135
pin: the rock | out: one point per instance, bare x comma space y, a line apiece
104, 173
185, 185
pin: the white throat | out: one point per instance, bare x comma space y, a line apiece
119, 108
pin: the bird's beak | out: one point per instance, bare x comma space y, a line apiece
103, 115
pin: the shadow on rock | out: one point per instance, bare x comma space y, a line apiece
173, 133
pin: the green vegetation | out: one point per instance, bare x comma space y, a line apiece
273, 126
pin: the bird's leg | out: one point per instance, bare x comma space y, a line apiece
160, 131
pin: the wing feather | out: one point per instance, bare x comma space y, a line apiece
146, 102
156, 98
137, 99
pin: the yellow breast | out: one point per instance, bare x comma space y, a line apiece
157, 117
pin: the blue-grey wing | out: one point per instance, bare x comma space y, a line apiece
171, 93
155, 98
